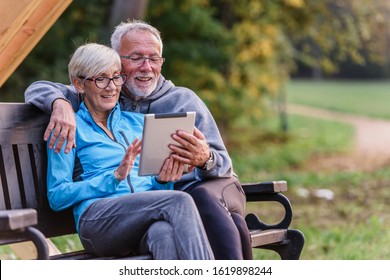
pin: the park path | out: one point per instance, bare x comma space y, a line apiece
372, 140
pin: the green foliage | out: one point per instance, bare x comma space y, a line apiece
335, 31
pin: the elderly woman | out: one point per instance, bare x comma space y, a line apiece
116, 211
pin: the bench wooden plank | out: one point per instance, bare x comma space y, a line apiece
27, 176
266, 187
2, 187
82, 255
263, 237
14, 195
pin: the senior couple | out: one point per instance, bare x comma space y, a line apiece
94, 155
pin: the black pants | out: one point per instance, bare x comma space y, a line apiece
221, 204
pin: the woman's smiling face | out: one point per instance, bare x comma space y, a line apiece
102, 99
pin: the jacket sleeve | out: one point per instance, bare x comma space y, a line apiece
63, 193
42, 94
161, 186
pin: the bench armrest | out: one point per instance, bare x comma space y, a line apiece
268, 191
264, 187
17, 225
17, 219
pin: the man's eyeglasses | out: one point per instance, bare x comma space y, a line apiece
137, 61
103, 82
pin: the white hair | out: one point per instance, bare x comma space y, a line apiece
131, 26
92, 59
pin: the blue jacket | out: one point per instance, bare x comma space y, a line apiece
86, 173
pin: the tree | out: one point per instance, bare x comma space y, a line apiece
121, 10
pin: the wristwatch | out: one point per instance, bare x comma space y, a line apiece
209, 163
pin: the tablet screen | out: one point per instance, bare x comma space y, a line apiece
157, 136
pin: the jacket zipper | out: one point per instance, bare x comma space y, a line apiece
116, 141
128, 144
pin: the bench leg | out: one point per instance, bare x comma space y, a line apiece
36, 247
39, 241
28, 251
291, 248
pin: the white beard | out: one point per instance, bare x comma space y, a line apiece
140, 93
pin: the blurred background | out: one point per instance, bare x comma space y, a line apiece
300, 91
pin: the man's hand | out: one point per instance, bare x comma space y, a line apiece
127, 162
62, 125
195, 150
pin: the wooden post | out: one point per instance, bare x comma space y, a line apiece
22, 24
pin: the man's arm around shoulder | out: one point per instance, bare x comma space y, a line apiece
60, 101
42, 94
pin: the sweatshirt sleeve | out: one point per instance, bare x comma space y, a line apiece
63, 193
42, 94
222, 167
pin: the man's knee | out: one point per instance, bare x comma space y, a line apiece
214, 190
182, 198
213, 195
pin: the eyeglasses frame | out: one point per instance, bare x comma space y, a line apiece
132, 59
123, 75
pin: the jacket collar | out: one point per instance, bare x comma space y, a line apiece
112, 117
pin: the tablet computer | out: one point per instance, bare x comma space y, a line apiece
157, 136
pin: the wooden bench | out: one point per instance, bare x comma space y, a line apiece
25, 214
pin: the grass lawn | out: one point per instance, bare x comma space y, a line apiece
354, 224
369, 98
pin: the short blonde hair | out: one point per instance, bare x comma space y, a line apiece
92, 59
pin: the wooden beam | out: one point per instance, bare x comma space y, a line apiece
22, 24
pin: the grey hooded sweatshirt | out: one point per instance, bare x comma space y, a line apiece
166, 98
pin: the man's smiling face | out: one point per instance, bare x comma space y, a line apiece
141, 79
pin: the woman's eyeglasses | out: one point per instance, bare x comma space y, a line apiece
103, 82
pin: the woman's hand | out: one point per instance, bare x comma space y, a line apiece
172, 170
127, 162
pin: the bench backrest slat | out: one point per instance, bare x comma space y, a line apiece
4, 190
25, 175
14, 199
23, 163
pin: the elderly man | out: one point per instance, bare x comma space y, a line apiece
211, 181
